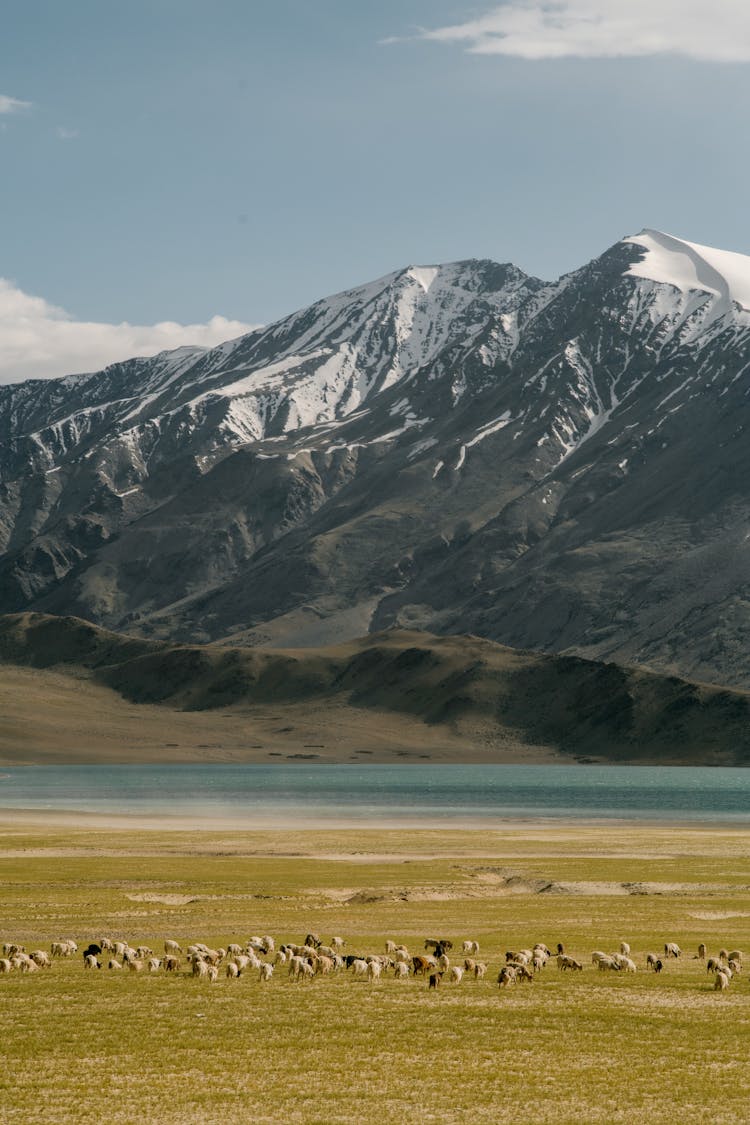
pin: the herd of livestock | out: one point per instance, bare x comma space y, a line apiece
313, 958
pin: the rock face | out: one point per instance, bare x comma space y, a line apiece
460, 448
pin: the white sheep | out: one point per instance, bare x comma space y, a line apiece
401, 970
154, 964
456, 974
171, 946
471, 948
624, 948
266, 971
232, 970
113, 964
374, 969
721, 983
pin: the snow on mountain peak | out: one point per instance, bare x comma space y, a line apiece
424, 275
689, 266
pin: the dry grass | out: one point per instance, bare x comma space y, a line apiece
585, 1048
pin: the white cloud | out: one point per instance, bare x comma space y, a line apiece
39, 340
554, 29
12, 105
64, 134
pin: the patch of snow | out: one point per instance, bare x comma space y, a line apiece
491, 428
688, 266
424, 275
461, 459
437, 469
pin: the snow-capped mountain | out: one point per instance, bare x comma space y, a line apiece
461, 448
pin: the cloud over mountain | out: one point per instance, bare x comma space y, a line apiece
40, 340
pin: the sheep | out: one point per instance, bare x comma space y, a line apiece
598, 956
269, 945
232, 970
266, 971
628, 965
323, 966
713, 965
443, 963
401, 970
41, 958
5, 965
658, 967
721, 983
200, 967
134, 965
456, 974
120, 947
91, 961
469, 964
701, 955
538, 961
624, 949
735, 966
359, 967
295, 966
306, 971
672, 949
313, 940
506, 977
374, 969
172, 964
723, 955
338, 942
143, 951
234, 950
242, 961
212, 973
154, 964
113, 964
479, 970
471, 947
565, 961
605, 964
651, 960
29, 966
390, 946
434, 981
735, 955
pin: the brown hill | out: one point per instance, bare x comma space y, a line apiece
74, 692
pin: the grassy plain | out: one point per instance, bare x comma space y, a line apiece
589, 1047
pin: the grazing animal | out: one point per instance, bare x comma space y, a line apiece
701, 952
672, 949
266, 971
434, 980
91, 961
721, 983
658, 967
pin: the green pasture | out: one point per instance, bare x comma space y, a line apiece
101, 1047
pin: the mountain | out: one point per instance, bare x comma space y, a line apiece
459, 449
391, 696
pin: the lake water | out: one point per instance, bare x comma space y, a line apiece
408, 794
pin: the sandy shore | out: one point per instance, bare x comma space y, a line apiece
280, 822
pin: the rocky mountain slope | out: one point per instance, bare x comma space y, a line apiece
462, 698
460, 448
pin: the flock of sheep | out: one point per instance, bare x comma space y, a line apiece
312, 958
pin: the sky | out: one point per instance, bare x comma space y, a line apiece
178, 171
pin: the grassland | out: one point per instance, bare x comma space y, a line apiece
587, 1047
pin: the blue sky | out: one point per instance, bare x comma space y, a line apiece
179, 159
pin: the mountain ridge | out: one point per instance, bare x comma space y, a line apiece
461, 448
454, 696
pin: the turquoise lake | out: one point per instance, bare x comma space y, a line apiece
412, 794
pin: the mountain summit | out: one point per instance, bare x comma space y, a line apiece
459, 448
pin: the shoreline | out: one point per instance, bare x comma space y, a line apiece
270, 822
